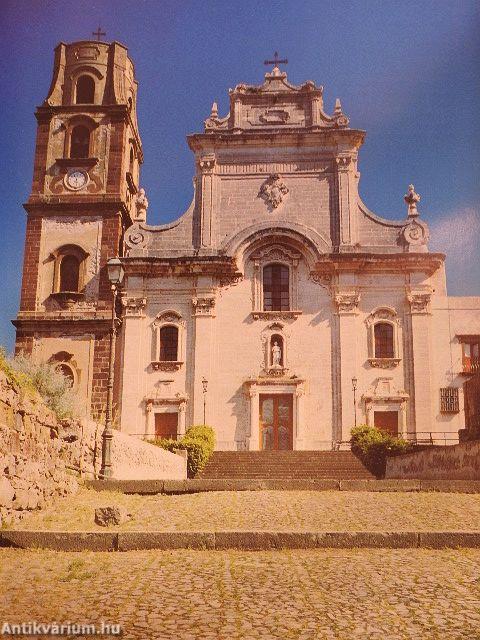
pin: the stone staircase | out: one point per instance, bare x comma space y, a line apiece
285, 465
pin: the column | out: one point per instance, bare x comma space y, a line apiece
346, 301
421, 357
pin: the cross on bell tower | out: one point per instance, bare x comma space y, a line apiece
276, 60
98, 33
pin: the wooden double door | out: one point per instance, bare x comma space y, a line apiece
276, 422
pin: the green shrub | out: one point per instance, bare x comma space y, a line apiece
21, 380
373, 446
198, 441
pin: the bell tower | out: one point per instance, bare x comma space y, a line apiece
85, 180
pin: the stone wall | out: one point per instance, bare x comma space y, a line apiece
32, 472
458, 462
42, 458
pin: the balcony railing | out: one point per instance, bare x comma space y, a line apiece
471, 365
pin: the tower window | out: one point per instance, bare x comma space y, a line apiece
85, 93
276, 288
69, 273
384, 345
168, 343
80, 142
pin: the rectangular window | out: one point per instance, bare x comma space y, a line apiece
449, 400
168, 343
276, 288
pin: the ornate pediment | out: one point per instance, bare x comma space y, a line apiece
275, 252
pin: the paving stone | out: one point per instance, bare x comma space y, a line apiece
269, 510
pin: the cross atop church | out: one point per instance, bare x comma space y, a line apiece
276, 60
98, 33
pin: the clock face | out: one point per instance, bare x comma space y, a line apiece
76, 179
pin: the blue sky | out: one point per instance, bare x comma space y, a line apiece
407, 72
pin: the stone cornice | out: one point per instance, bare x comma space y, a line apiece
67, 324
68, 203
384, 262
221, 266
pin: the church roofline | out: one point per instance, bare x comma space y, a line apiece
277, 136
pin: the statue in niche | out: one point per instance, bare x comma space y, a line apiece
276, 355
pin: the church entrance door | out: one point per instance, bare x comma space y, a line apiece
276, 422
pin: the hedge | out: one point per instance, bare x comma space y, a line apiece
198, 441
373, 446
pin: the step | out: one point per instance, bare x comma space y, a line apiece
285, 465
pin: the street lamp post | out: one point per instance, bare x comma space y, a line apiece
115, 276
354, 387
205, 386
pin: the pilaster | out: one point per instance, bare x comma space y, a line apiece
133, 329
207, 200
346, 301
420, 322
346, 200
203, 313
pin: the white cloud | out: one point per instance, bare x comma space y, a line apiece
457, 234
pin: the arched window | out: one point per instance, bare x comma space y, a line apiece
67, 372
69, 273
384, 342
168, 344
80, 142
276, 288
85, 93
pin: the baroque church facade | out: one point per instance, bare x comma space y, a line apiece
278, 308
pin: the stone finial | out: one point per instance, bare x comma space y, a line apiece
214, 111
141, 204
411, 198
339, 117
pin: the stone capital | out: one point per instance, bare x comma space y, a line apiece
419, 301
347, 301
133, 306
206, 163
203, 305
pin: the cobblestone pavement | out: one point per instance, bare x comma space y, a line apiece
303, 595
272, 510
